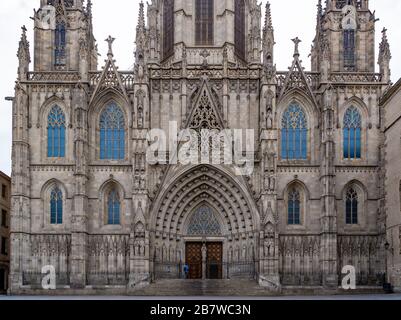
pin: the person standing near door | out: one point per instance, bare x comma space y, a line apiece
186, 270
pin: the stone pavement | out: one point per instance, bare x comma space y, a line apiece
220, 290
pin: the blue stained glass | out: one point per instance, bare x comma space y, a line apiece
294, 208
112, 133
352, 134
294, 134
56, 133
60, 43
113, 208
351, 207
56, 206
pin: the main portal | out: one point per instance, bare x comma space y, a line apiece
208, 265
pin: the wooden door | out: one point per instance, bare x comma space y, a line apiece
193, 256
214, 260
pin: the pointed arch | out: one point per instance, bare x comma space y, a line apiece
56, 206
354, 203
352, 134
203, 222
54, 196
112, 132
60, 36
56, 133
112, 201
296, 197
294, 133
190, 187
301, 139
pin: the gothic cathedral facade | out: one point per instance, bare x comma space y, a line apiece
87, 203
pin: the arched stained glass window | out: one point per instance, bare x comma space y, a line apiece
294, 133
204, 22
351, 207
204, 223
294, 207
56, 206
112, 133
352, 134
168, 28
113, 208
56, 133
60, 43
240, 28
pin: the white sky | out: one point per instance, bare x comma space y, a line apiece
291, 18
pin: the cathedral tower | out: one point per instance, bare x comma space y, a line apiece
346, 34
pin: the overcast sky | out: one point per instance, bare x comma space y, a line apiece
290, 17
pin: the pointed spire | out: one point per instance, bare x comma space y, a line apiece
384, 58
141, 18
23, 55
268, 18
384, 52
23, 49
319, 14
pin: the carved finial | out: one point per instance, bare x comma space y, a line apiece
385, 52
296, 41
23, 49
141, 17
110, 41
268, 18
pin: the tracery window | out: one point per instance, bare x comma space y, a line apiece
112, 133
204, 22
113, 208
56, 133
351, 207
240, 28
204, 223
352, 134
168, 28
294, 133
56, 206
349, 48
60, 43
294, 207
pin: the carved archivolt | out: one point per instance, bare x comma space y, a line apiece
204, 185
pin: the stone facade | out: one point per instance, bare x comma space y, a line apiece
392, 129
5, 196
221, 78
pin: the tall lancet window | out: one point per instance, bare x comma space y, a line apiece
113, 208
352, 134
349, 49
168, 28
56, 206
240, 28
60, 43
56, 133
112, 133
204, 22
294, 134
351, 207
294, 207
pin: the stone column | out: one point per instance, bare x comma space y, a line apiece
79, 220
204, 261
328, 240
